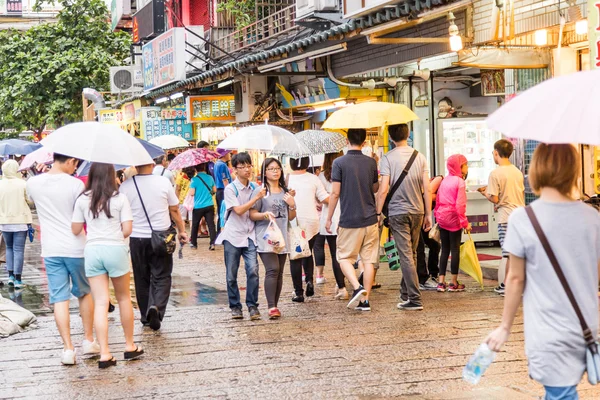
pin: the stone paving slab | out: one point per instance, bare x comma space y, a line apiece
318, 350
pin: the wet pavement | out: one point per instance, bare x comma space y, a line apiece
319, 349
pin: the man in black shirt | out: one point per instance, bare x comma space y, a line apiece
354, 182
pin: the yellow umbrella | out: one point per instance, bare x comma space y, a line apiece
469, 262
370, 115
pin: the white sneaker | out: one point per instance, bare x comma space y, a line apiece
90, 348
430, 284
321, 280
68, 357
341, 294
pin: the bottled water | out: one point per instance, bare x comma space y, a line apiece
479, 362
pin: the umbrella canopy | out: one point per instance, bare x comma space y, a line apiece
169, 142
192, 157
152, 149
10, 147
370, 115
321, 142
267, 138
560, 110
39, 156
96, 142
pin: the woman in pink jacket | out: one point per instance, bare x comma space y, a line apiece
451, 217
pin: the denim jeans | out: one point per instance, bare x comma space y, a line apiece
15, 251
232, 263
406, 229
561, 393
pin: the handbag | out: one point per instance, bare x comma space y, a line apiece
30, 232
592, 355
163, 242
434, 233
388, 198
299, 247
188, 203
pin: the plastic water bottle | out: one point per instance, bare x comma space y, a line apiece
479, 362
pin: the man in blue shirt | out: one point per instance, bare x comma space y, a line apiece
222, 179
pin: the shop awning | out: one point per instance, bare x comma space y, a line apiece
504, 58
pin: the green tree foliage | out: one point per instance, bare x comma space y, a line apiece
243, 11
43, 70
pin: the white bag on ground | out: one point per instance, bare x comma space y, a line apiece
13, 318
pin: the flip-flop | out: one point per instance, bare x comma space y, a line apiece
132, 355
108, 363
376, 286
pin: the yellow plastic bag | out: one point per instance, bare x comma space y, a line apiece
469, 263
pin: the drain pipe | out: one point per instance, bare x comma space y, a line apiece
95, 97
368, 84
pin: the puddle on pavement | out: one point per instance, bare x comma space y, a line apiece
184, 293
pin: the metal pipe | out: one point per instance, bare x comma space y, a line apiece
432, 129
95, 97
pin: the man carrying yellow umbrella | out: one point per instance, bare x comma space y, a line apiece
361, 117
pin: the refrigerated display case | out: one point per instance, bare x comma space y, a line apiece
471, 138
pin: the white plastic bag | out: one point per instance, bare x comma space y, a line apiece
188, 203
274, 238
434, 233
299, 247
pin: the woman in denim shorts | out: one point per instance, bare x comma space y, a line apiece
108, 217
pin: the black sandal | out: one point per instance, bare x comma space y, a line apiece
376, 286
108, 363
132, 355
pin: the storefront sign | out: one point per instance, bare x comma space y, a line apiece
131, 111
594, 32
479, 223
149, 21
14, 7
163, 59
211, 109
153, 125
110, 116
174, 113
119, 9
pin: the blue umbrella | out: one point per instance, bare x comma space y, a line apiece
152, 149
11, 147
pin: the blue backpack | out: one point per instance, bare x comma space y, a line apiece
223, 213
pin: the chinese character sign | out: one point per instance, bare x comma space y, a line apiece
211, 109
163, 59
110, 116
153, 124
14, 7
594, 32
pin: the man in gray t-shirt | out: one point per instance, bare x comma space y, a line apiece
409, 209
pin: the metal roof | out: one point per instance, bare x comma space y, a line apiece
385, 15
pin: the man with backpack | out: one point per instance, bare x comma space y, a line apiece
405, 170
238, 237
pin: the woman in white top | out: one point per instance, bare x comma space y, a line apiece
331, 238
309, 192
109, 222
554, 339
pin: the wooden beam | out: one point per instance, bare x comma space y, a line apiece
407, 40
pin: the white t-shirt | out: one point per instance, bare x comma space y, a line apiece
158, 170
54, 196
335, 220
158, 195
103, 230
309, 190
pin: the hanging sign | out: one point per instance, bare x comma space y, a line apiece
163, 59
594, 32
149, 21
211, 108
110, 116
153, 125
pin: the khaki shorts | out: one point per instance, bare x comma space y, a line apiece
352, 242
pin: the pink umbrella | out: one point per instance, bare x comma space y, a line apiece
193, 157
39, 156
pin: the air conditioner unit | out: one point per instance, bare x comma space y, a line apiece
306, 8
126, 79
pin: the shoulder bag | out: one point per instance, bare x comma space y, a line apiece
397, 184
163, 242
592, 356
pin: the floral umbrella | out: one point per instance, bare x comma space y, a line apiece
192, 157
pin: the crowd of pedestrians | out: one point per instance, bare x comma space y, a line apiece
93, 233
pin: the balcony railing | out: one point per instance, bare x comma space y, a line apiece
260, 31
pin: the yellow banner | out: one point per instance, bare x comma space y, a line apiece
211, 109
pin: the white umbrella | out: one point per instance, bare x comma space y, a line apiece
168, 142
561, 110
96, 142
268, 138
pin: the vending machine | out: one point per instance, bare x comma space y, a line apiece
471, 138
